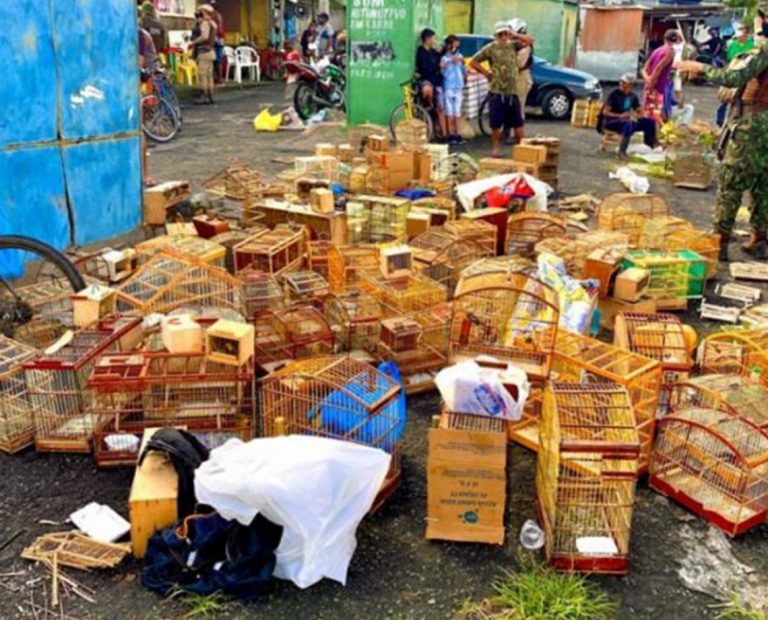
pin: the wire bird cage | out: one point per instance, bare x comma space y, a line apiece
291, 333
405, 295
575, 251
735, 352
376, 219
261, 291
17, 424
442, 257
137, 391
675, 276
354, 318
583, 360
57, 384
494, 265
197, 248
317, 256
480, 232
237, 182
716, 465
347, 264
228, 240
437, 205
702, 242
275, 251
525, 230
628, 213
660, 337
305, 287
512, 317
586, 474
107, 265
656, 231
169, 281
735, 394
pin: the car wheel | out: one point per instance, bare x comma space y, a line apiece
556, 104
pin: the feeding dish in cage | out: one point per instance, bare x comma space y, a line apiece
227, 342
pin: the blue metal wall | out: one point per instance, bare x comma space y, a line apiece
70, 152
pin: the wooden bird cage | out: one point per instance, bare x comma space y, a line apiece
317, 167
715, 464
702, 242
57, 385
317, 256
443, 258
377, 219
437, 205
584, 360
305, 287
575, 251
675, 276
137, 391
228, 240
169, 281
196, 248
735, 352
75, 550
347, 264
735, 394
261, 291
656, 231
525, 230
236, 182
659, 337
628, 213
494, 265
107, 265
412, 294
586, 474
277, 251
291, 333
512, 317
478, 231
17, 424
354, 317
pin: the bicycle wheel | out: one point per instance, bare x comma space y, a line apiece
169, 94
36, 285
484, 118
159, 121
419, 113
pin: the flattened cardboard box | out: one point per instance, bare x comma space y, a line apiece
466, 486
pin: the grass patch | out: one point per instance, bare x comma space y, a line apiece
736, 609
536, 592
201, 606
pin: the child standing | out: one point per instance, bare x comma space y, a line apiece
453, 70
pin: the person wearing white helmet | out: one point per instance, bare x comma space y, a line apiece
524, 64
503, 102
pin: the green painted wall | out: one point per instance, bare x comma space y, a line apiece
552, 23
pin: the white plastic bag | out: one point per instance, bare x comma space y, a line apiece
318, 489
632, 182
467, 387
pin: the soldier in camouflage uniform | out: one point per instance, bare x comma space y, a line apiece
745, 165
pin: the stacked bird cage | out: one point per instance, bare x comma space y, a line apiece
305, 287
512, 317
57, 382
322, 167
196, 248
480, 232
354, 317
290, 333
228, 240
628, 213
137, 391
17, 425
494, 264
436, 204
261, 291
317, 256
715, 464
169, 281
735, 394
405, 295
660, 337
736, 352
377, 219
675, 278
525, 230
702, 242
586, 475
579, 359
277, 251
657, 230
575, 251
339, 398
442, 257
348, 263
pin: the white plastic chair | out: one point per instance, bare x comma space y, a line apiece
247, 58
229, 54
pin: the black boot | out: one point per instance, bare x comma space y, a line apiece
725, 238
624, 145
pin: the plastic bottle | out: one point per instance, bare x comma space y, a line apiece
531, 536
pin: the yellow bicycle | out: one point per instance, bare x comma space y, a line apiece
411, 109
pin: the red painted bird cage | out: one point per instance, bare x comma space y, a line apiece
289, 334
17, 424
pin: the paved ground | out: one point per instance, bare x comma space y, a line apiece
395, 572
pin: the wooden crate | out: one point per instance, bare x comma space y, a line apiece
585, 112
159, 198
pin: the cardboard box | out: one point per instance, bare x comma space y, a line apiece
598, 266
154, 495
346, 153
378, 142
610, 307
399, 161
530, 153
416, 223
322, 200
631, 284
422, 167
466, 485
326, 149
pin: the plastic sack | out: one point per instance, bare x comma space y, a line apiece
467, 387
265, 121
574, 301
631, 181
467, 193
318, 489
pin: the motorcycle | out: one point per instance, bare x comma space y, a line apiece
318, 88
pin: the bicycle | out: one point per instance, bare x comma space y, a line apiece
36, 282
411, 109
159, 119
162, 86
